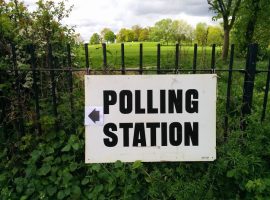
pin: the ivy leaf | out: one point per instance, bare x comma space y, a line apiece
136, 164
66, 148
96, 167
231, 173
76, 191
44, 170
73, 166
49, 150
35, 155
51, 190
61, 194
76, 146
118, 164
67, 177
72, 139
85, 181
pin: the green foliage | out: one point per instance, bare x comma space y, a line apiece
252, 25
215, 35
52, 167
201, 33
162, 31
95, 39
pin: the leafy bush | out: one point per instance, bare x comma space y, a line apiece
52, 167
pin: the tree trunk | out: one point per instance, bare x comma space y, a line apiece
226, 42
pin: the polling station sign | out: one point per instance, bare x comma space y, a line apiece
151, 118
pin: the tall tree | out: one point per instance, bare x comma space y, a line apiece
215, 35
103, 32
109, 36
125, 35
144, 34
181, 30
137, 31
95, 39
227, 10
163, 30
201, 33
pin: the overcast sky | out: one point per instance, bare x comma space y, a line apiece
91, 16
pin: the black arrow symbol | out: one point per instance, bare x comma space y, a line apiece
94, 115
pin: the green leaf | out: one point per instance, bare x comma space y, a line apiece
76, 191
231, 173
48, 159
136, 164
96, 167
73, 138
61, 194
2, 177
35, 155
76, 146
118, 164
49, 150
66, 148
51, 190
67, 177
44, 170
73, 166
85, 181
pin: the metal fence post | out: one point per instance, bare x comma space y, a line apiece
53, 83
70, 80
176, 58
86, 59
2, 113
35, 88
249, 82
213, 58
123, 58
228, 99
158, 59
105, 66
20, 120
195, 58
141, 58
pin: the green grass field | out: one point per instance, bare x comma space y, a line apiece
149, 56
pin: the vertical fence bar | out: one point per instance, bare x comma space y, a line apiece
53, 84
141, 58
249, 83
104, 57
228, 100
195, 58
176, 58
35, 88
20, 120
213, 58
86, 59
70, 81
123, 58
266, 93
3, 112
158, 59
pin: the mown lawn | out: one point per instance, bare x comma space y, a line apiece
149, 56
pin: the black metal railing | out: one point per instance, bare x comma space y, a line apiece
51, 68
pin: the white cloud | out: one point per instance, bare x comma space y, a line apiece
91, 16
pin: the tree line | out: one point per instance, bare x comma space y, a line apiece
243, 22
164, 31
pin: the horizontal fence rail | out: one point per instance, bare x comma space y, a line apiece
53, 69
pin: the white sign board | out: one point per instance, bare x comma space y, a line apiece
151, 118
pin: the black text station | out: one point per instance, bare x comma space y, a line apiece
168, 102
